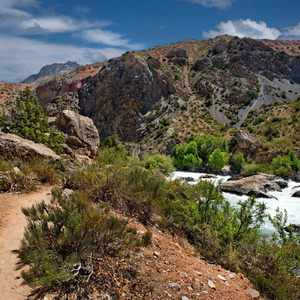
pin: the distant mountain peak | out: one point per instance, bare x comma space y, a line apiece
289, 37
53, 70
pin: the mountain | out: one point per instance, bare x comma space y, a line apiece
289, 37
190, 87
49, 72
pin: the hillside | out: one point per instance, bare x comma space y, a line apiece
189, 87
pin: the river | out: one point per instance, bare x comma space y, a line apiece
283, 199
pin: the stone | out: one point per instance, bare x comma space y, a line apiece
187, 179
247, 144
81, 134
282, 183
185, 298
184, 274
107, 297
296, 194
13, 145
221, 278
256, 185
296, 177
254, 294
155, 253
174, 286
5, 182
211, 284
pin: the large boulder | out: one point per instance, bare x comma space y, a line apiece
247, 144
256, 185
82, 137
15, 146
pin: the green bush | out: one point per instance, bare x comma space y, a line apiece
251, 169
63, 239
162, 162
282, 166
237, 161
217, 160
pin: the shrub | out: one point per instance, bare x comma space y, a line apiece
217, 160
281, 166
162, 162
251, 169
63, 240
237, 161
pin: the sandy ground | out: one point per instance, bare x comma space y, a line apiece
12, 222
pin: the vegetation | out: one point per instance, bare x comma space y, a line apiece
69, 238
29, 121
200, 152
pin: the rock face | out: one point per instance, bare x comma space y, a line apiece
257, 185
125, 94
13, 145
247, 144
81, 135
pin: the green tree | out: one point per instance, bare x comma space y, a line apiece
29, 121
237, 161
294, 161
217, 160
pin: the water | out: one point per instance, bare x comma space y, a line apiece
283, 199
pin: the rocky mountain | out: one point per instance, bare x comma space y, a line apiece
190, 87
289, 37
49, 72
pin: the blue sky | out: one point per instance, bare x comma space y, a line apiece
34, 33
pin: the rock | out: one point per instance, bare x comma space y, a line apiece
296, 194
67, 193
184, 274
297, 177
174, 286
221, 277
185, 298
107, 297
16, 146
80, 132
247, 144
256, 185
207, 176
170, 144
254, 294
226, 170
187, 179
283, 184
155, 254
5, 182
211, 284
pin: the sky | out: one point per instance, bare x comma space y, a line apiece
35, 33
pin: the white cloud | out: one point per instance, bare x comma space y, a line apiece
295, 30
244, 28
58, 24
20, 57
107, 37
212, 3
7, 7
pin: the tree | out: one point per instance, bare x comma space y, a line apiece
237, 161
217, 160
29, 121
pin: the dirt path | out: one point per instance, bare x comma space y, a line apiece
12, 222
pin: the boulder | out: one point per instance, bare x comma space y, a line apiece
247, 144
13, 145
256, 185
297, 177
296, 194
82, 137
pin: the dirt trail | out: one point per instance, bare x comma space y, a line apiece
12, 222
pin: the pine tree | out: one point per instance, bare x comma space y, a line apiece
29, 121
